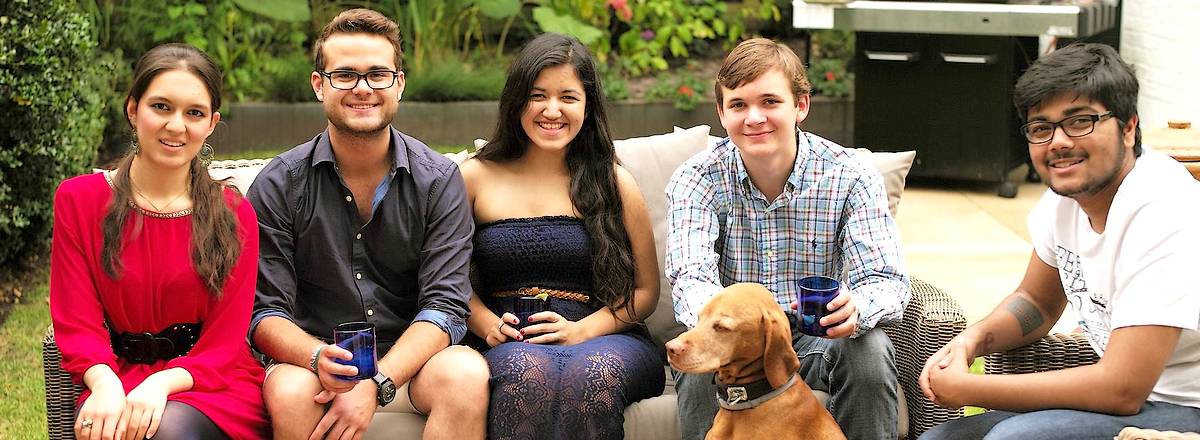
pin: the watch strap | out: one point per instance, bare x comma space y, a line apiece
382, 380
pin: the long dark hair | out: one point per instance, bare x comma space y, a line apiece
591, 159
215, 242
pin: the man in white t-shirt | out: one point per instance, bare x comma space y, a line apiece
1117, 239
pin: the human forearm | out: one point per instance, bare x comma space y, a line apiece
1085, 388
174, 380
482, 319
101, 376
415, 347
1024, 316
284, 341
1018, 321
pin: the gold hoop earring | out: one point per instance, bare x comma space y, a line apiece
206, 155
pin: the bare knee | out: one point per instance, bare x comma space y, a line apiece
289, 389
456, 368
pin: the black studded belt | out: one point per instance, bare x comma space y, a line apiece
148, 348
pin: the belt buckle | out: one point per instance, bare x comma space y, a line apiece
138, 347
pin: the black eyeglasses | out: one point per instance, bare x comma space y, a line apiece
348, 79
1040, 132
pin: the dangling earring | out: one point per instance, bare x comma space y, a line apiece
133, 147
206, 155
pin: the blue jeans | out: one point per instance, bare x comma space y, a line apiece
859, 374
1066, 424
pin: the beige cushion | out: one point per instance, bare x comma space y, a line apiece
651, 160
893, 167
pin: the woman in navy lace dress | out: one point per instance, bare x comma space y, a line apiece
556, 215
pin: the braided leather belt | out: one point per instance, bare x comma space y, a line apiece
535, 291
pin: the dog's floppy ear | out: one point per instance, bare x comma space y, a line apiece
779, 358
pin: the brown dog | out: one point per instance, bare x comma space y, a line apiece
744, 337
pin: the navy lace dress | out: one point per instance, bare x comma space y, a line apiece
541, 391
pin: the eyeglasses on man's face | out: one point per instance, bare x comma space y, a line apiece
1040, 132
349, 79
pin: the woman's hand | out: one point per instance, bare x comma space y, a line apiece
552, 328
100, 415
144, 408
503, 331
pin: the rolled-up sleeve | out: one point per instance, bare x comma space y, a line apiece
445, 257
692, 231
871, 250
275, 292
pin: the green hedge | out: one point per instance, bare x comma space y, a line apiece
53, 89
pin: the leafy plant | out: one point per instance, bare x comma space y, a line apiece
831, 73
615, 86
53, 90
454, 80
830, 78
243, 42
647, 32
683, 89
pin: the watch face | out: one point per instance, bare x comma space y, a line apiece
387, 391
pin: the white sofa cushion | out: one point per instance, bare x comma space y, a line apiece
651, 160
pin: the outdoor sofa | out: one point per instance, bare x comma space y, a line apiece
931, 319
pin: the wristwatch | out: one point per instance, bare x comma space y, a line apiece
386, 388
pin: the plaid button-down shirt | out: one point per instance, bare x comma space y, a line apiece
832, 219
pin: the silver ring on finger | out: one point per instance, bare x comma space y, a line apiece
86, 424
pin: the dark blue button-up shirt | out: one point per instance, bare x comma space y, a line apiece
321, 265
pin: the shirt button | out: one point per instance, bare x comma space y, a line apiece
349, 199
358, 237
358, 276
370, 312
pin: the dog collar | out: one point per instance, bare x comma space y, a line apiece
750, 395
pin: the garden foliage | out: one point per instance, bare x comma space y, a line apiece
54, 86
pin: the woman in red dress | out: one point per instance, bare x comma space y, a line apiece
153, 269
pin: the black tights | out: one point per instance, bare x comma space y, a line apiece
181, 421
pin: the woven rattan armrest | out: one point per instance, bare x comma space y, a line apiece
931, 319
61, 393
1053, 352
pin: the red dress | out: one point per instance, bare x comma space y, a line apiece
158, 286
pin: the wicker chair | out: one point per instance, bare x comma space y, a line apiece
61, 393
930, 321
1053, 352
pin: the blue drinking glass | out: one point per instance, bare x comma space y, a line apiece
359, 339
526, 306
813, 297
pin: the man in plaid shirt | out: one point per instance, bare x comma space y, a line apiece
772, 204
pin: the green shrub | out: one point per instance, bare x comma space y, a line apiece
452, 80
53, 90
288, 78
683, 89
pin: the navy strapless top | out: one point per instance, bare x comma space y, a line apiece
550, 252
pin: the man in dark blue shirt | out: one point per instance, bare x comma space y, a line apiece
364, 223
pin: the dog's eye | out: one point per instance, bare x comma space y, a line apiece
720, 327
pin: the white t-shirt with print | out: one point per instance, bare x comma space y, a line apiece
1143, 270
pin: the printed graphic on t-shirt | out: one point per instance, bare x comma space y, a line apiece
1092, 308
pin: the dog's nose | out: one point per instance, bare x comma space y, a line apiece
675, 347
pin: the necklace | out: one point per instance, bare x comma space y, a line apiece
138, 190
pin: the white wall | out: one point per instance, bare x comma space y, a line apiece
1161, 38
